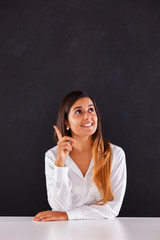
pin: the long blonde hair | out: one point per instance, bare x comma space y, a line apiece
101, 174
101, 150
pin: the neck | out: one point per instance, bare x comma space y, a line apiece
83, 144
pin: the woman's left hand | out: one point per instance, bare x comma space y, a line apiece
50, 216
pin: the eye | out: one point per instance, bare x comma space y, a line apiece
78, 111
91, 109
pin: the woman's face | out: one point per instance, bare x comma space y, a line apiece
82, 118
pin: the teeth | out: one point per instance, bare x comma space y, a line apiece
87, 125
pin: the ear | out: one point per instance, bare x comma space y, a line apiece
67, 124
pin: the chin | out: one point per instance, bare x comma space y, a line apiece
84, 132
89, 133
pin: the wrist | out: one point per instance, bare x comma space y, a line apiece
59, 163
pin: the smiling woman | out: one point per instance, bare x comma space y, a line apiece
85, 174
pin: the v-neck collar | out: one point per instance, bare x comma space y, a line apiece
71, 164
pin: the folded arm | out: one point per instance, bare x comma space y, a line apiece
111, 208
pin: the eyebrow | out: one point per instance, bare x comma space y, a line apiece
81, 106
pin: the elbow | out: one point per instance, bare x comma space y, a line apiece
116, 214
113, 214
56, 205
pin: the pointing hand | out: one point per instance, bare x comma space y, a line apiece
64, 146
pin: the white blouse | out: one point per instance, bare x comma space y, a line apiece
68, 191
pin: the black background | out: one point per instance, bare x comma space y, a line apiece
111, 49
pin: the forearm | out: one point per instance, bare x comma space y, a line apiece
92, 212
59, 189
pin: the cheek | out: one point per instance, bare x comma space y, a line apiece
75, 122
95, 119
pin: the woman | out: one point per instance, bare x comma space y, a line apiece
85, 174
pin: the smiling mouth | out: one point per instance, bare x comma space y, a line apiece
87, 125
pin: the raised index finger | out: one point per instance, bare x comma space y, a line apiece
58, 132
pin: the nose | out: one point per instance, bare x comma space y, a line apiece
86, 115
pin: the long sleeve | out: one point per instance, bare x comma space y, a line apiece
58, 184
118, 184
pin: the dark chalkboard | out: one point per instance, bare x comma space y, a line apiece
111, 49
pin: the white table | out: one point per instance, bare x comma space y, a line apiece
22, 228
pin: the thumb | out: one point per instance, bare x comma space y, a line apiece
72, 143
